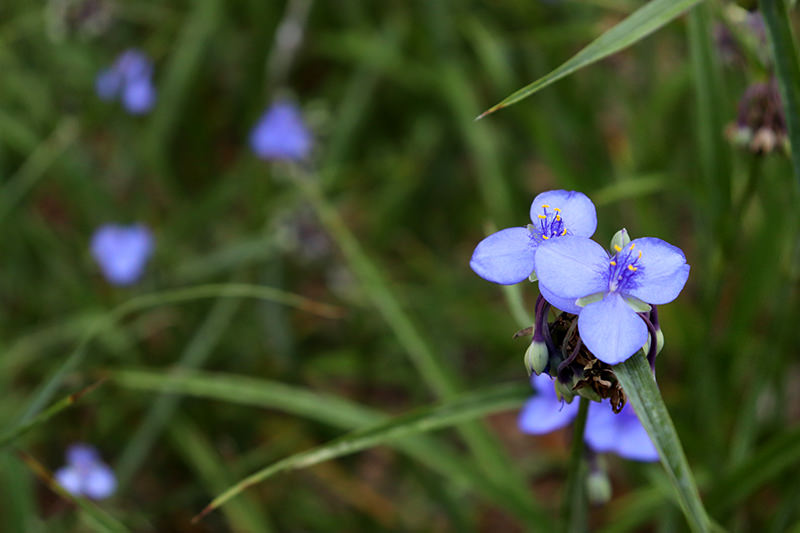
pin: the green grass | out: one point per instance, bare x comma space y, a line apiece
286, 313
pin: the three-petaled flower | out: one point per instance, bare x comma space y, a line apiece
281, 134
86, 474
605, 431
131, 78
644, 271
122, 251
509, 255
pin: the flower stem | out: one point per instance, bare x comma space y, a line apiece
641, 389
574, 510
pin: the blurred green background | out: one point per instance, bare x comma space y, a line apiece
404, 185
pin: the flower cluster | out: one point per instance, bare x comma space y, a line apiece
122, 251
86, 474
605, 432
608, 302
130, 79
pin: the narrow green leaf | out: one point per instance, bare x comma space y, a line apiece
787, 67
466, 407
574, 509
635, 27
640, 387
335, 411
774, 458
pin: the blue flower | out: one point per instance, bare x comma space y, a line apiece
130, 77
645, 271
509, 256
122, 251
85, 474
281, 134
621, 433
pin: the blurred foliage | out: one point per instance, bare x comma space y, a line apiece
390, 90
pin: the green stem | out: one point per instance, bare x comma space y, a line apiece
787, 68
642, 391
574, 509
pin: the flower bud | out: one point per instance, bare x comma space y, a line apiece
564, 390
536, 357
620, 239
598, 487
659, 342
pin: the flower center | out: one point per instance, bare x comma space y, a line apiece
548, 224
623, 268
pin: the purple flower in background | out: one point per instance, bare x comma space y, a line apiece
621, 433
509, 256
122, 251
645, 271
130, 78
281, 134
85, 474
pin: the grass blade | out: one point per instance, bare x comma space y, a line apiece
637, 26
336, 411
787, 67
642, 391
467, 407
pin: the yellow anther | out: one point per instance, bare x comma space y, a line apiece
558, 217
632, 268
564, 232
556, 209
545, 205
617, 248
545, 237
632, 245
613, 263
640, 254
542, 216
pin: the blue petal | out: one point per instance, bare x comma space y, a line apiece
133, 65
99, 482
577, 210
611, 329
663, 271
621, 433
139, 96
82, 454
69, 478
545, 412
572, 267
108, 83
564, 304
505, 257
634, 442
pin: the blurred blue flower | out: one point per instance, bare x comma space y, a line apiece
122, 251
621, 433
130, 77
647, 270
281, 134
508, 256
86, 474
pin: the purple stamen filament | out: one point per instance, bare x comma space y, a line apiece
622, 269
550, 223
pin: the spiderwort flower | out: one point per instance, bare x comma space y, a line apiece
122, 251
130, 77
281, 134
646, 271
621, 433
508, 256
86, 474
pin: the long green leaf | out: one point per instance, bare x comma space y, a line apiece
640, 387
466, 407
635, 27
787, 67
232, 290
338, 412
